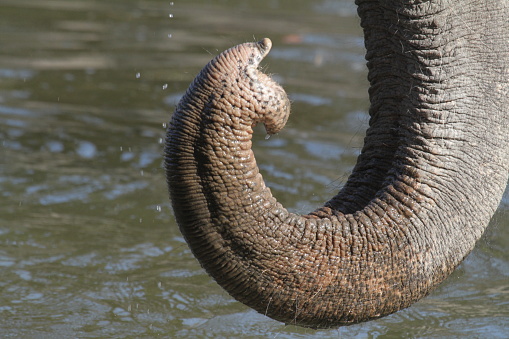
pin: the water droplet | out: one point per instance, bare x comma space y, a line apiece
171, 3
169, 35
160, 140
142, 173
165, 86
159, 284
170, 15
158, 208
164, 125
267, 137
141, 220
121, 149
138, 75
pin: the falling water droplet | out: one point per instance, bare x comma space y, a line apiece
142, 173
160, 140
267, 137
158, 208
169, 35
164, 125
170, 15
165, 86
138, 75
171, 3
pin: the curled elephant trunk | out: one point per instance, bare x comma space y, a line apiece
429, 177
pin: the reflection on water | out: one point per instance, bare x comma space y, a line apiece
89, 247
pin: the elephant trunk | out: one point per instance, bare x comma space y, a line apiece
429, 177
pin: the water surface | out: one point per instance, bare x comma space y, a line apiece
88, 243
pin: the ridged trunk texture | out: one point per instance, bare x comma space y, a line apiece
429, 177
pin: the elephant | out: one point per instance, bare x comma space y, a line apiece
427, 181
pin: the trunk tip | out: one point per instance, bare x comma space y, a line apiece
265, 45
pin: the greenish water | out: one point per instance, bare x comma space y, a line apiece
88, 244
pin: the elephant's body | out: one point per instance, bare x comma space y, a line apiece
429, 177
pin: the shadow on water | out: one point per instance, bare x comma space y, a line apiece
89, 246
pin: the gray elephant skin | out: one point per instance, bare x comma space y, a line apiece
430, 175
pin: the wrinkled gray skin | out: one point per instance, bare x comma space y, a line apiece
430, 175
